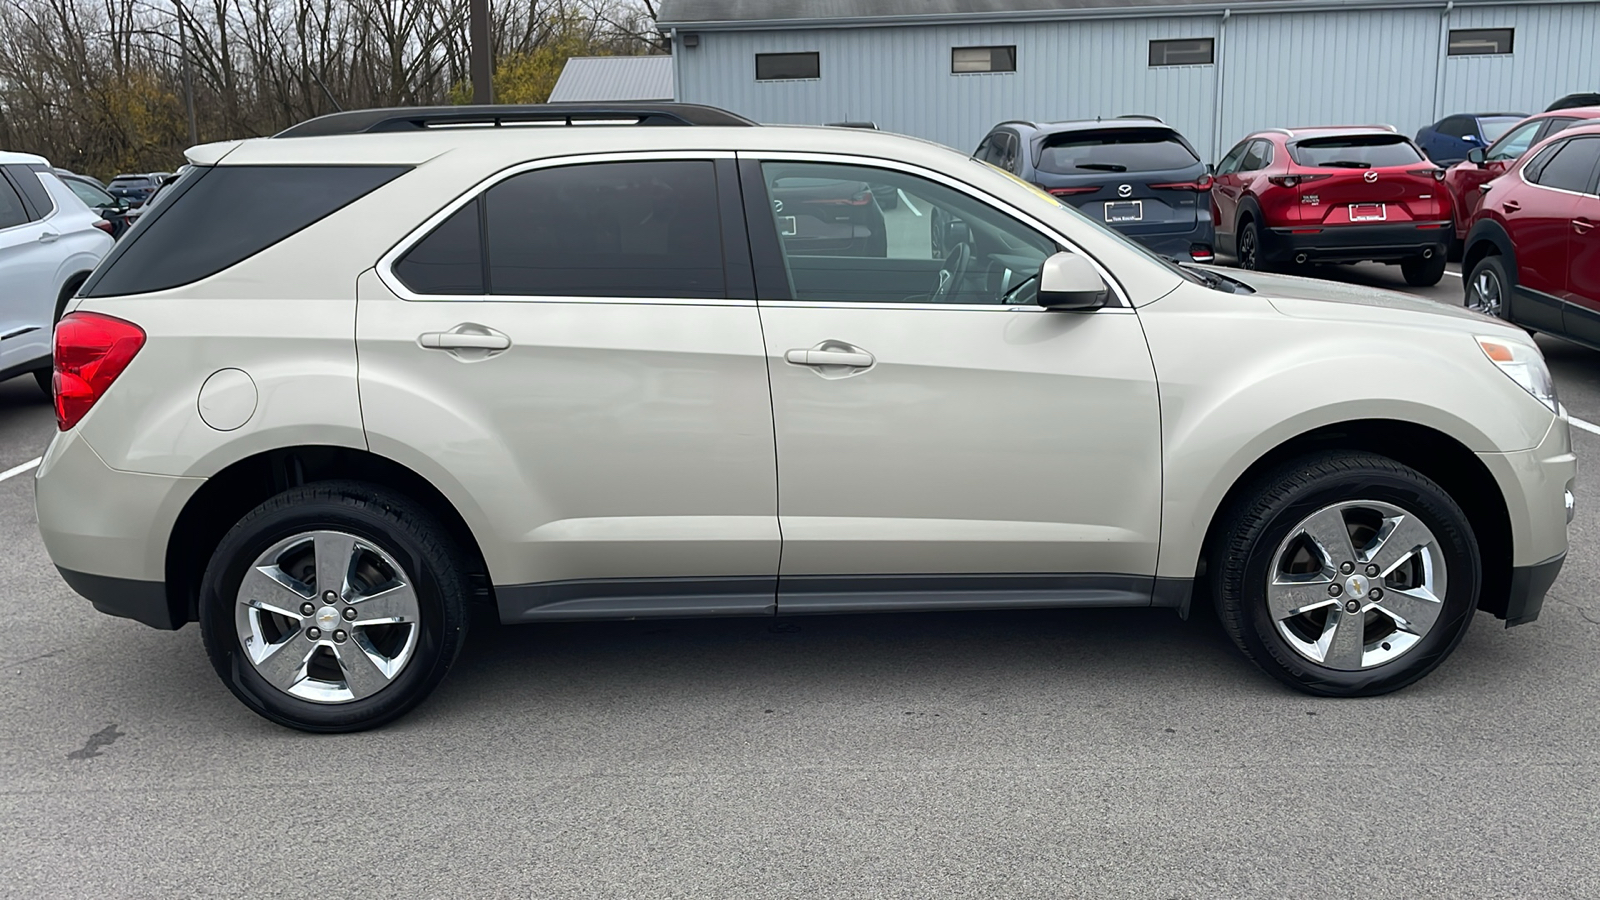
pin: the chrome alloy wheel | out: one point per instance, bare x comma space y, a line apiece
1356, 584
1486, 292
327, 617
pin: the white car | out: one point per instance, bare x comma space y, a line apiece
49, 242
615, 371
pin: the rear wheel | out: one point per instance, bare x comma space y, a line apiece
334, 607
1346, 574
1423, 271
1250, 246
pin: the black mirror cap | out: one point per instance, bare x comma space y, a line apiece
1079, 301
1477, 155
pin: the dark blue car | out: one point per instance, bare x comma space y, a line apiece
1135, 173
1449, 140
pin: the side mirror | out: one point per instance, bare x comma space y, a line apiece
1211, 169
1069, 281
1478, 156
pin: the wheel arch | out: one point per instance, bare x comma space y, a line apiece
1435, 454
242, 485
1487, 238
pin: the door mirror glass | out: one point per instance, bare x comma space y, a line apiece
1476, 155
1069, 281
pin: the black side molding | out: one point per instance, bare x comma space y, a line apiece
1528, 587
141, 601
636, 598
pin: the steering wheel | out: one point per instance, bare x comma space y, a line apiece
951, 274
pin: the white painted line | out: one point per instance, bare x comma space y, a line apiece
1576, 423
1456, 274
32, 464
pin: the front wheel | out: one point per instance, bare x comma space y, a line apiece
1488, 288
1346, 574
1423, 271
334, 607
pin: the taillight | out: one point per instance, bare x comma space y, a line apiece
105, 226
1073, 191
1435, 171
1201, 184
1292, 180
91, 350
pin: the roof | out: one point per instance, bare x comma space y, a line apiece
21, 159
589, 78
730, 14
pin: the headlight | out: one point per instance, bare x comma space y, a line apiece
1524, 365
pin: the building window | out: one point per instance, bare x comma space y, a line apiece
785, 66
983, 59
1186, 52
1480, 41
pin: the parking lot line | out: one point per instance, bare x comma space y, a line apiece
1586, 426
31, 464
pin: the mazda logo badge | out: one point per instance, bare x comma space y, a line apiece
1370, 177
1125, 190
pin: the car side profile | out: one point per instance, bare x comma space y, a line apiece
1134, 173
49, 243
1532, 254
587, 372
1466, 180
1335, 194
1449, 140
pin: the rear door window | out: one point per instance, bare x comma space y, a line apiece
1115, 150
11, 212
624, 229
1355, 152
1570, 167
217, 217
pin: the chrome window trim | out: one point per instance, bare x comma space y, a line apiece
1522, 169
1120, 295
385, 264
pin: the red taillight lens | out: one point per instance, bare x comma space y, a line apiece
1202, 184
1074, 191
1437, 173
1292, 180
91, 350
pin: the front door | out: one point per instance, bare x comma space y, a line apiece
574, 357
28, 259
932, 421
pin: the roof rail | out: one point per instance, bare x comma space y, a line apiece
1283, 131
423, 118
1018, 122
1140, 116
871, 126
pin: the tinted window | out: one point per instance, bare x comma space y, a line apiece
89, 194
985, 149
629, 229
1456, 126
1356, 152
220, 216
1230, 163
1190, 52
838, 244
1571, 167
1516, 143
130, 182
1115, 150
1258, 157
28, 180
449, 260
1558, 124
1495, 127
1007, 152
779, 66
11, 211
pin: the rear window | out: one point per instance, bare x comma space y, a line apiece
130, 182
1362, 151
213, 218
1115, 150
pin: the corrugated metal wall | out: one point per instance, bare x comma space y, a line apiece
1280, 69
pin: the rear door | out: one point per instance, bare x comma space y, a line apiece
574, 355
941, 440
1369, 179
1140, 174
1537, 206
28, 261
1581, 315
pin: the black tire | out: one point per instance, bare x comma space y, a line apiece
1423, 272
1489, 274
392, 523
1249, 247
45, 379
1265, 515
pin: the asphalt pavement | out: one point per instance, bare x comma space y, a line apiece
1050, 754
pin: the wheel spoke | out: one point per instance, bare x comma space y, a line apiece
284, 663
269, 589
1414, 610
1331, 535
365, 670
335, 554
1343, 639
1396, 541
1289, 598
392, 605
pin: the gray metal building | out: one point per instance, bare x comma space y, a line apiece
949, 69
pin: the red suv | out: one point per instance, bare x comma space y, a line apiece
1332, 195
1466, 179
1533, 250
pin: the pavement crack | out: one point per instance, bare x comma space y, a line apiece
30, 659
105, 737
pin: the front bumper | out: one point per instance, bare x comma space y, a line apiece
1356, 243
1535, 485
1528, 587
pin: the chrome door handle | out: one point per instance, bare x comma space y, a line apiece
463, 340
858, 359
48, 237
1581, 225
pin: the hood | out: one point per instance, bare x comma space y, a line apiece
1313, 298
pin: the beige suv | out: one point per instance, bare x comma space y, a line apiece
637, 361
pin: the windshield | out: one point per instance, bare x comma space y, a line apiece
1361, 151
1496, 127
1115, 150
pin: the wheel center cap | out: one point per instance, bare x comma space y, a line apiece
1356, 586
327, 617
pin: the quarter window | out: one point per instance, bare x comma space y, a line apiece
1185, 52
965, 60
1569, 168
937, 245
626, 229
89, 194
1480, 41
1259, 156
787, 66
450, 259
